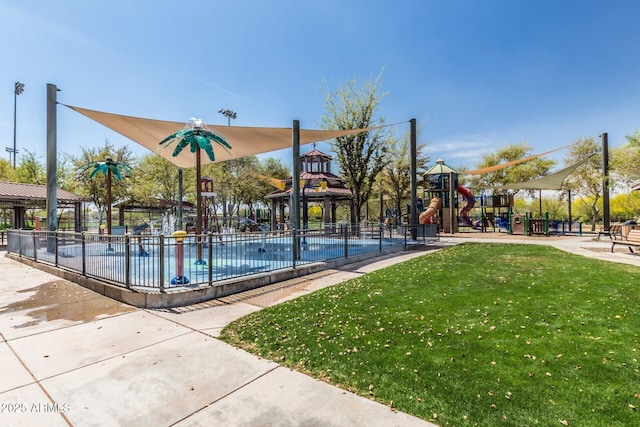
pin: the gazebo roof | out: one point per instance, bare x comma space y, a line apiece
33, 194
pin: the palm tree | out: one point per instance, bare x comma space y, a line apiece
108, 167
196, 138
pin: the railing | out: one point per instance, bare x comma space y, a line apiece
155, 263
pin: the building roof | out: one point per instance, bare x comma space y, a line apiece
20, 192
316, 153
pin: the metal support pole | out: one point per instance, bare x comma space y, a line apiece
295, 188
52, 150
414, 186
570, 219
605, 182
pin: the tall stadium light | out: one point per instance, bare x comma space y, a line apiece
19, 88
228, 114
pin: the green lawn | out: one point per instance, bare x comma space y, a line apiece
476, 334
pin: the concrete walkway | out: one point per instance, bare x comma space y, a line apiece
69, 356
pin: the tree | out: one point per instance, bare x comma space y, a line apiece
361, 156
625, 161
6, 172
586, 181
156, 178
30, 170
395, 177
625, 206
96, 189
522, 172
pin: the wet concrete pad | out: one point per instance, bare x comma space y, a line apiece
51, 305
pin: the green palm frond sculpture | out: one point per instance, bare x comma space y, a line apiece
108, 167
197, 139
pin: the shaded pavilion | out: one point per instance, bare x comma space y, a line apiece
20, 196
155, 206
318, 185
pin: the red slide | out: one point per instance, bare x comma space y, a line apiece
471, 202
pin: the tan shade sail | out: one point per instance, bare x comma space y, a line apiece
244, 141
553, 181
512, 163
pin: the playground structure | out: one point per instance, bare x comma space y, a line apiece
442, 188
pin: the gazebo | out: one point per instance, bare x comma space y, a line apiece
318, 185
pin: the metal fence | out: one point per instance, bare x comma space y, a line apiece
157, 263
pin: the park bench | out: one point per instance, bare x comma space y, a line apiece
614, 232
631, 239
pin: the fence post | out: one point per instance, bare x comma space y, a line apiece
210, 268
380, 235
84, 254
546, 223
127, 261
35, 246
161, 262
295, 248
346, 240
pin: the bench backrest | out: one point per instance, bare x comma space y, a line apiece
634, 235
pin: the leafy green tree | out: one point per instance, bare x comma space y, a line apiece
66, 173
96, 189
395, 177
362, 156
521, 172
586, 181
625, 206
6, 171
625, 161
157, 178
30, 170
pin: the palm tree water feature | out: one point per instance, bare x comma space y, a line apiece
197, 138
110, 168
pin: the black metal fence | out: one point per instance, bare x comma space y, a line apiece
157, 263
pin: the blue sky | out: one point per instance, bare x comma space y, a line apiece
478, 74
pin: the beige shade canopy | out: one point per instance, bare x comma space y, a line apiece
511, 163
244, 141
552, 181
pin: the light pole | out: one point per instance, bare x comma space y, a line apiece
228, 114
19, 88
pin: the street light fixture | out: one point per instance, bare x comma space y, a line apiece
228, 114
19, 88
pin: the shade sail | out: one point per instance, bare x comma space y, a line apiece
553, 181
244, 141
511, 163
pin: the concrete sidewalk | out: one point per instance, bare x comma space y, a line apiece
69, 356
